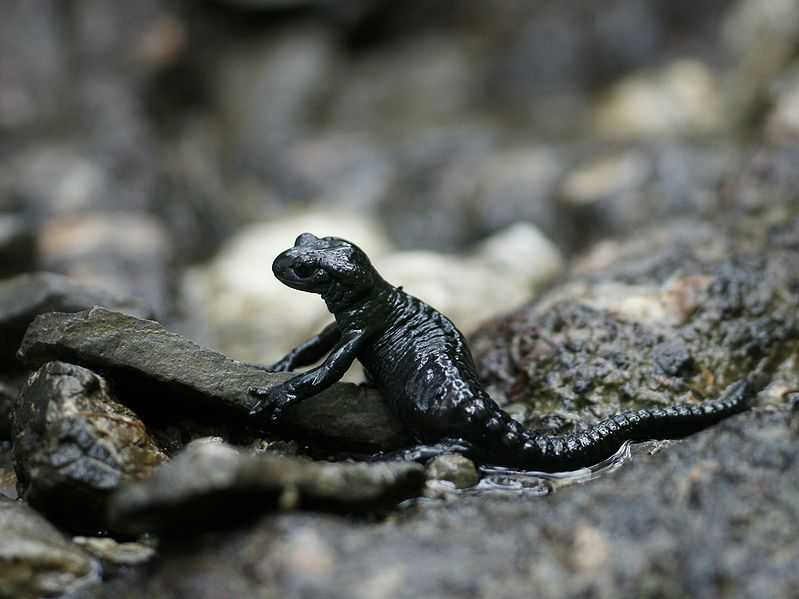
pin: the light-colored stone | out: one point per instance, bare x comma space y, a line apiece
683, 98
455, 468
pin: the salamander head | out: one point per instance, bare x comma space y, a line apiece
334, 268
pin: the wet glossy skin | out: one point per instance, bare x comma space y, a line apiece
423, 367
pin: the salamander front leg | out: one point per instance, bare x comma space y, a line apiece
273, 400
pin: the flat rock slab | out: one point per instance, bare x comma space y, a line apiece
156, 370
212, 484
36, 560
74, 444
24, 296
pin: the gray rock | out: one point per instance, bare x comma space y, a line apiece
35, 87
126, 252
674, 319
35, 559
25, 296
211, 484
159, 372
268, 89
74, 444
457, 469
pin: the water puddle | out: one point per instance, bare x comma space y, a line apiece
532, 483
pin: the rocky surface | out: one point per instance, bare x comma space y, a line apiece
160, 373
211, 485
24, 296
74, 444
36, 560
679, 324
683, 521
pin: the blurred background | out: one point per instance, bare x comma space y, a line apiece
167, 150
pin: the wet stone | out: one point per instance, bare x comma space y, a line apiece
455, 468
36, 560
211, 485
160, 373
24, 296
74, 444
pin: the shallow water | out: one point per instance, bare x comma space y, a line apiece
533, 483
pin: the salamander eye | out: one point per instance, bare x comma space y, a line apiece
304, 269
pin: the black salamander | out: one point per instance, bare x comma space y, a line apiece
425, 371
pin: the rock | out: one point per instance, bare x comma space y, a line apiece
681, 99
501, 273
455, 468
418, 80
127, 253
58, 177
35, 83
350, 171
35, 559
676, 325
267, 91
729, 491
25, 296
760, 35
211, 485
74, 444
115, 553
161, 374
616, 193
17, 245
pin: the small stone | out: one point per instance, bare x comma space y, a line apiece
209, 485
672, 357
141, 354
114, 552
35, 559
455, 468
681, 99
74, 444
24, 296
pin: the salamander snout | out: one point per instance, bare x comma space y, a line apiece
306, 240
